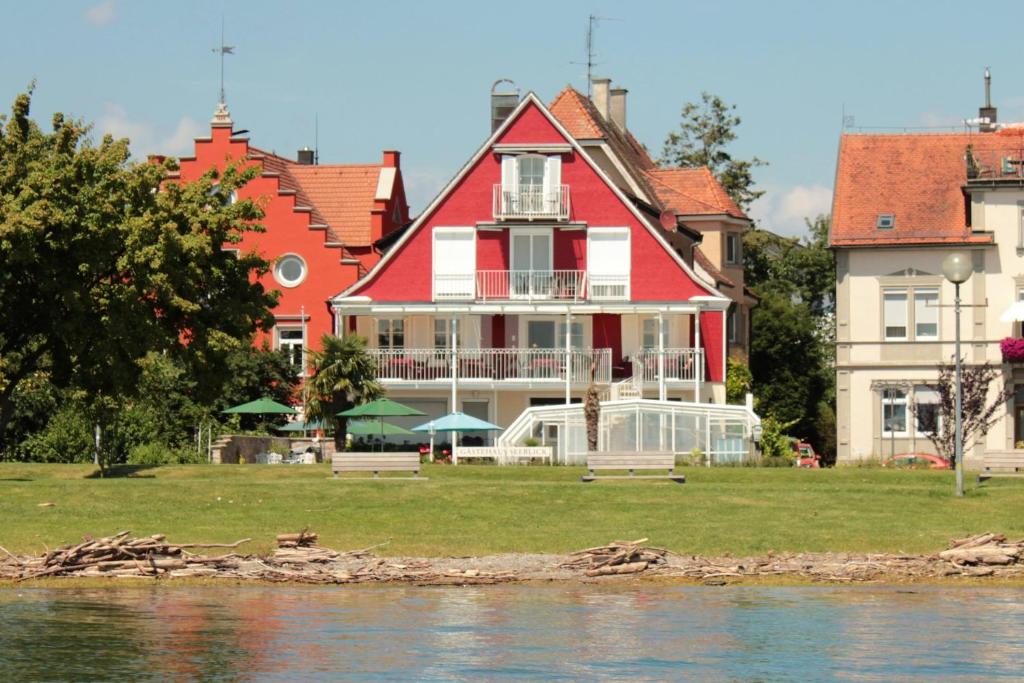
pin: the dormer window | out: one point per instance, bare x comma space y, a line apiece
885, 221
531, 188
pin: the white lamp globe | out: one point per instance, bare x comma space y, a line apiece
957, 267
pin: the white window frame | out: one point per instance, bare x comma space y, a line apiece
288, 345
732, 322
593, 276
284, 282
733, 253
888, 400
585, 322
938, 416
905, 291
931, 292
446, 330
391, 332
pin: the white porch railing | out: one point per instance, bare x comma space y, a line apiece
609, 287
681, 365
523, 365
531, 285
531, 202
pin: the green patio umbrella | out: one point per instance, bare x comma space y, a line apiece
381, 408
262, 406
367, 428
301, 426
454, 422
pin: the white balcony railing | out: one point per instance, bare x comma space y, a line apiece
531, 202
516, 365
558, 285
509, 285
681, 365
609, 287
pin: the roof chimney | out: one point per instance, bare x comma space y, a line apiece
599, 95
305, 156
503, 101
988, 111
617, 107
390, 159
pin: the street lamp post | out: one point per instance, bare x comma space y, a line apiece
957, 269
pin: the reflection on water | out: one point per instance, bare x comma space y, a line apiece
554, 632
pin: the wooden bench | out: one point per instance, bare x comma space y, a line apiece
632, 461
377, 463
1002, 464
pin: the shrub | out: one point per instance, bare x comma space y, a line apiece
774, 442
1013, 349
159, 454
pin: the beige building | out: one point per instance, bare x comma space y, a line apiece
902, 204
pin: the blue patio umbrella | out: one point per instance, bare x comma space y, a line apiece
454, 422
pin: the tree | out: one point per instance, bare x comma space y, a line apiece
738, 381
103, 261
344, 375
705, 131
592, 409
978, 411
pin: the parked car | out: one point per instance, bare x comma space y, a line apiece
805, 455
923, 460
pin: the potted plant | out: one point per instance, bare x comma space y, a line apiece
1013, 349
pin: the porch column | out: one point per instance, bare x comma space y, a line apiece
568, 358
662, 391
455, 364
698, 371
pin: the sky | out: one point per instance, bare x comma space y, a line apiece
415, 76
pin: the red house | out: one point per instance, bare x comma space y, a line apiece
532, 275
321, 221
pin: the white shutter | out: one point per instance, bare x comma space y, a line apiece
454, 263
630, 334
608, 262
470, 327
509, 182
552, 183
421, 332
366, 327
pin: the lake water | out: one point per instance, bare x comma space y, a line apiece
554, 632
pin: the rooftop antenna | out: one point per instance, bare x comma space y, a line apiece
223, 50
592, 22
316, 139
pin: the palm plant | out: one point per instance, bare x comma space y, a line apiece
592, 409
344, 375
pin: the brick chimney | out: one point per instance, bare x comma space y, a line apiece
599, 95
617, 107
391, 158
988, 111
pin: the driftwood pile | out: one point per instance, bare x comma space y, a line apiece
618, 557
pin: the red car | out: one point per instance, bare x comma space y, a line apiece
934, 462
805, 455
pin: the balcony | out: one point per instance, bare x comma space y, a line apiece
512, 285
681, 365
528, 366
531, 203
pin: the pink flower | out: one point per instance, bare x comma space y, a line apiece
1013, 349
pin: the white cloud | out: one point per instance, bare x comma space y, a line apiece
145, 138
784, 211
101, 13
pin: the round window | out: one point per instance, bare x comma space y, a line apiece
290, 270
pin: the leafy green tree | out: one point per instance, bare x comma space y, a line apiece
703, 137
102, 261
738, 381
344, 375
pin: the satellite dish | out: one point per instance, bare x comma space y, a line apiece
668, 219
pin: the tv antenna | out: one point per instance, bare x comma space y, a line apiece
223, 50
592, 22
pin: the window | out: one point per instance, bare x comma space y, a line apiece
291, 340
732, 249
532, 276
732, 325
290, 270
895, 314
885, 221
390, 333
926, 410
531, 185
575, 335
531, 173
926, 314
443, 333
649, 334
894, 412
454, 263
608, 263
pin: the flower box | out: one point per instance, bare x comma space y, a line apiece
1013, 350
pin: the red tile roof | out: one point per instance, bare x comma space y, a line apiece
340, 196
919, 179
692, 191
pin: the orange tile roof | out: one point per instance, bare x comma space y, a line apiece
692, 191
341, 196
576, 113
919, 179
708, 266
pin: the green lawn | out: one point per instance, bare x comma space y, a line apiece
470, 510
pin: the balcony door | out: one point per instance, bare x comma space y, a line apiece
531, 276
454, 264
